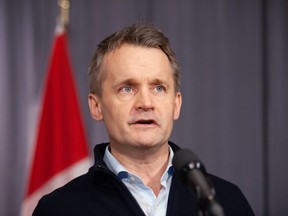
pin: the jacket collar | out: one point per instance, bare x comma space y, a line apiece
99, 151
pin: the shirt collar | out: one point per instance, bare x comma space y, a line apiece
115, 166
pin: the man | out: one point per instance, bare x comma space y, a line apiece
134, 88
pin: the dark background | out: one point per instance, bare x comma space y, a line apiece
234, 58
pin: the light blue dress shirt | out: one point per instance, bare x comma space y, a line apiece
150, 204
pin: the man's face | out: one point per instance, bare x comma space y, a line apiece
138, 103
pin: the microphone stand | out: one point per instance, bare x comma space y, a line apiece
207, 203
208, 206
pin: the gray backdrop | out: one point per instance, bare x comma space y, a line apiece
233, 55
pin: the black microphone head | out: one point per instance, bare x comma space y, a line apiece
183, 158
192, 171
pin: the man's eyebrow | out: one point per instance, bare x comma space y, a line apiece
132, 81
160, 81
125, 81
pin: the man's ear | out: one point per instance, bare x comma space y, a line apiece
178, 103
95, 107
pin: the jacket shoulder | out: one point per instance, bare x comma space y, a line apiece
68, 197
230, 197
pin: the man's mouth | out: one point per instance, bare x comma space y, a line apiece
145, 119
145, 122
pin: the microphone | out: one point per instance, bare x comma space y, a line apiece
193, 172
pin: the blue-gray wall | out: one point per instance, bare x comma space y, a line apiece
234, 57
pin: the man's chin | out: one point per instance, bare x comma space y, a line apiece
146, 144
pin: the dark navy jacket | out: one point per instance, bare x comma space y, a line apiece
100, 192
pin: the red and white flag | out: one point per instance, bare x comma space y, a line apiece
61, 149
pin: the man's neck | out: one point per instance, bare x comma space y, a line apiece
148, 164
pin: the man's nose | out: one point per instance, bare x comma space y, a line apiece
144, 100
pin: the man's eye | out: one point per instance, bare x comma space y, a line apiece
159, 88
127, 89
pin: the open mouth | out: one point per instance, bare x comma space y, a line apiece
145, 122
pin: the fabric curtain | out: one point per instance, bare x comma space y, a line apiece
233, 57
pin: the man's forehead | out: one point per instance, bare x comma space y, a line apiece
129, 62
136, 55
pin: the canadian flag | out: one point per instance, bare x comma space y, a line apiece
61, 150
